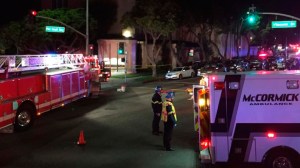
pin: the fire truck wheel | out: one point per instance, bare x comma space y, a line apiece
24, 117
281, 159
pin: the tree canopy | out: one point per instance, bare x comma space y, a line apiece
29, 36
155, 19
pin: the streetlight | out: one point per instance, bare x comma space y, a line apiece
128, 32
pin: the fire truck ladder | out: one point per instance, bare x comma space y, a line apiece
20, 63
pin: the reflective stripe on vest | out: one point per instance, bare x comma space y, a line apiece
156, 102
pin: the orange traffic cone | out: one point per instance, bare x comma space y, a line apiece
81, 140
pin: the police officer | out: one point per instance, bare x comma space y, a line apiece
170, 120
157, 108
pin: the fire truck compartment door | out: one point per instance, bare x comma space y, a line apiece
55, 86
75, 83
66, 85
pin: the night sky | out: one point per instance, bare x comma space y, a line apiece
290, 7
16, 9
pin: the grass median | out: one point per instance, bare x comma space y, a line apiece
140, 77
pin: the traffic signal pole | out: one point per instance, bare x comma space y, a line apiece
86, 36
279, 14
285, 15
87, 28
48, 18
252, 9
72, 28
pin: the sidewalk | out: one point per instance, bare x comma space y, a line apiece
118, 82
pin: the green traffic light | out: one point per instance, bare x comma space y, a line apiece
251, 19
121, 51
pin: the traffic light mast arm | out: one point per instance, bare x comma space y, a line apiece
43, 17
279, 14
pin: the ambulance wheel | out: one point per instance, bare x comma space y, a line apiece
24, 117
281, 159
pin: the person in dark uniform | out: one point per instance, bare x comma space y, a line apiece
156, 107
169, 118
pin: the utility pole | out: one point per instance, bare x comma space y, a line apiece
87, 29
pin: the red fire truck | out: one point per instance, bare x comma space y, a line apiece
31, 85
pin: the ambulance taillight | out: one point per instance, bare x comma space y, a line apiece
205, 144
219, 85
271, 134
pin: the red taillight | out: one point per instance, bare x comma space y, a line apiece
262, 55
205, 144
271, 134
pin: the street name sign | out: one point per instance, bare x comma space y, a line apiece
284, 24
55, 29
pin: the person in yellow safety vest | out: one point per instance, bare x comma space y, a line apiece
170, 120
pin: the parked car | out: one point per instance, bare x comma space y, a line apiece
180, 72
293, 64
273, 63
212, 67
236, 65
197, 65
255, 63
270, 63
281, 63
105, 74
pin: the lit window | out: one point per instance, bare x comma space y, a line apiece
234, 85
292, 84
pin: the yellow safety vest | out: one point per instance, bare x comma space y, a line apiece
164, 116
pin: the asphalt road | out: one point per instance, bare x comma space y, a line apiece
116, 127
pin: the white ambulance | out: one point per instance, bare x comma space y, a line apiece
249, 117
